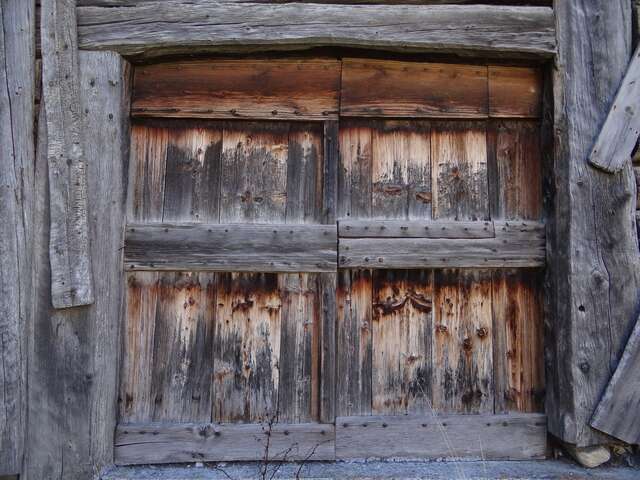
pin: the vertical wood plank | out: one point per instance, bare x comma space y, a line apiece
69, 251
354, 187
304, 174
330, 178
401, 332
518, 340
182, 367
463, 380
247, 348
327, 292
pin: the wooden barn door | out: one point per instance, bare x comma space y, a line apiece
324, 256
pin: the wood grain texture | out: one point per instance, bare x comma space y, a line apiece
252, 89
621, 396
17, 90
593, 247
518, 340
231, 247
197, 442
619, 135
415, 229
70, 257
161, 27
489, 437
402, 326
375, 88
516, 244
515, 92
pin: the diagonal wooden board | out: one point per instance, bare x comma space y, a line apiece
619, 133
71, 275
617, 412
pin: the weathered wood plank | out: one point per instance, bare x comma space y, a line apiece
593, 247
17, 90
619, 134
328, 309
515, 92
354, 174
70, 256
489, 437
547, 3
516, 244
518, 361
401, 338
231, 247
247, 348
415, 229
141, 443
252, 89
406, 89
175, 26
462, 342
330, 177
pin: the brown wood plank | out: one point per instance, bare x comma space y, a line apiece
401, 170
231, 247
518, 340
353, 343
354, 174
516, 244
462, 342
182, 367
489, 437
247, 348
459, 171
401, 338
415, 229
515, 92
515, 174
375, 88
192, 179
254, 173
144, 443
302, 89
328, 309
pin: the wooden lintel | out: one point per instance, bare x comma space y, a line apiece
415, 229
620, 131
173, 26
231, 247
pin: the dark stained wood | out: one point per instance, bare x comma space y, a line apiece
180, 26
252, 89
197, 442
17, 202
515, 92
516, 244
69, 255
328, 310
490, 437
375, 88
401, 341
462, 342
330, 177
594, 247
518, 360
415, 229
231, 247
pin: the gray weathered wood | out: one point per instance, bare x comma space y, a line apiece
197, 442
70, 257
619, 133
74, 355
160, 27
592, 250
615, 413
414, 229
231, 247
17, 90
516, 244
489, 437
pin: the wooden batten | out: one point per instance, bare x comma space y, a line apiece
231, 247
415, 229
257, 89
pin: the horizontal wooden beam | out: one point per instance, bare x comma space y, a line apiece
516, 244
175, 26
489, 437
143, 443
257, 89
414, 229
231, 247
